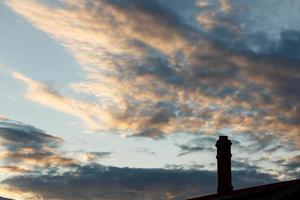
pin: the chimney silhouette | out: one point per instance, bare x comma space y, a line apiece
224, 165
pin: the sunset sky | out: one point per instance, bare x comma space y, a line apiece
124, 99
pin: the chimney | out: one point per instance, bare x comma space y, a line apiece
224, 165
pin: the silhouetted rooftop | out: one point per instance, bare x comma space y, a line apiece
288, 190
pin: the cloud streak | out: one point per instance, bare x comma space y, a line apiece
168, 76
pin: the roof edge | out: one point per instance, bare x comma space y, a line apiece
251, 189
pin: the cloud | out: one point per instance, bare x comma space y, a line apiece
187, 149
94, 156
249, 142
13, 169
13, 194
289, 164
2, 117
143, 150
27, 147
45, 94
154, 71
190, 166
18, 135
153, 133
128, 183
225, 5
238, 165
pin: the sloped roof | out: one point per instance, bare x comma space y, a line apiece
289, 190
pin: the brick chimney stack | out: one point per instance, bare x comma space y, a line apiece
224, 165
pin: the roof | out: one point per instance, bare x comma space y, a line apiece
283, 190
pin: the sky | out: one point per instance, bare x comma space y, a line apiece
125, 99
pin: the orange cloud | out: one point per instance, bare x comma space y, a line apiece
144, 70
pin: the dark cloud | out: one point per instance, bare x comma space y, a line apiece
197, 144
162, 12
238, 165
190, 166
101, 182
153, 133
261, 142
249, 178
290, 165
285, 50
18, 135
162, 116
160, 66
26, 145
187, 149
244, 143
95, 156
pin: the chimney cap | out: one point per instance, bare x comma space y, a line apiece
223, 140
223, 137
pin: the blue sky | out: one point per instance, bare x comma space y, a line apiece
128, 88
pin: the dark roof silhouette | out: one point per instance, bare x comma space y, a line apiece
287, 190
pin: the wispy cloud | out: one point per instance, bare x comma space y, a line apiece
13, 170
46, 95
153, 73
